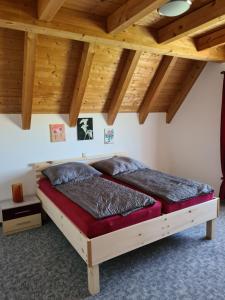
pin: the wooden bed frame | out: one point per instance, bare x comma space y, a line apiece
102, 248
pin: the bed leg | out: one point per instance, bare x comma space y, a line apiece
93, 279
210, 229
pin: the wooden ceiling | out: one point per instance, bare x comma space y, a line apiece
72, 56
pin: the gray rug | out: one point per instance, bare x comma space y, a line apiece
41, 264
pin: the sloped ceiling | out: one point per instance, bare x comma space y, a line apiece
59, 60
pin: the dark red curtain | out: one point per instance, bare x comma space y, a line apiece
222, 142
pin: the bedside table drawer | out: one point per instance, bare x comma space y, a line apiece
19, 212
20, 224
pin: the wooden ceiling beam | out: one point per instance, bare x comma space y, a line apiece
81, 82
123, 83
190, 79
47, 9
211, 39
67, 24
161, 75
131, 12
201, 19
28, 78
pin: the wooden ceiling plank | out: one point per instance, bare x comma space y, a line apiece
131, 12
47, 9
161, 75
200, 19
81, 82
123, 83
69, 26
191, 78
212, 39
28, 78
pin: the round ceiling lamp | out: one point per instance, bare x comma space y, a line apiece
174, 8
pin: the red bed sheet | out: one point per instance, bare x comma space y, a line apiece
90, 226
168, 207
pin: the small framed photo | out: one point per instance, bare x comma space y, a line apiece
109, 136
85, 129
57, 133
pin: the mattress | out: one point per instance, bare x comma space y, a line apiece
90, 226
168, 207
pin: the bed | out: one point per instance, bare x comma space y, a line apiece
173, 192
95, 249
89, 225
168, 207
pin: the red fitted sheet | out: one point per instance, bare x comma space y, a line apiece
168, 207
90, 226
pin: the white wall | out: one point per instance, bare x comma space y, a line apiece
190, 145
19, 148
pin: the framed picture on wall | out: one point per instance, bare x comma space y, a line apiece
85, 129
57, 132
109, 136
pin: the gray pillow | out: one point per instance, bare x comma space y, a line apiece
118, 164
66, 172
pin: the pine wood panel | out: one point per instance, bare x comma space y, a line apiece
130, 64
160, 77
107, 7
186, 86
81, 81
172, 86
212, 14
11, 70
97, 7
30, 41
67, 24
120, 241
211, 39
131, 12
156, 21
174, 83
47, 9
141, 79
56, 66
98, 93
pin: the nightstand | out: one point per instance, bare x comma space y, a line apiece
17, 217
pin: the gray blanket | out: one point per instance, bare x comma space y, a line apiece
103, 198
165, 186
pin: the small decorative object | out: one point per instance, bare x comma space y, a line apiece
57, 132
85, 129
109, 136
17, 192
174, 8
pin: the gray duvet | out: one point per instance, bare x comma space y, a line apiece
103, 198
165, 186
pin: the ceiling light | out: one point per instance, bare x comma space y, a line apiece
174, 8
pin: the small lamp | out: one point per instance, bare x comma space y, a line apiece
174, 8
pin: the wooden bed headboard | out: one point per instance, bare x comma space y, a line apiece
40, 166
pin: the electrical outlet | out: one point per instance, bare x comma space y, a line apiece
84, 155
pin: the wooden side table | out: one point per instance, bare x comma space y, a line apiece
18, 217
